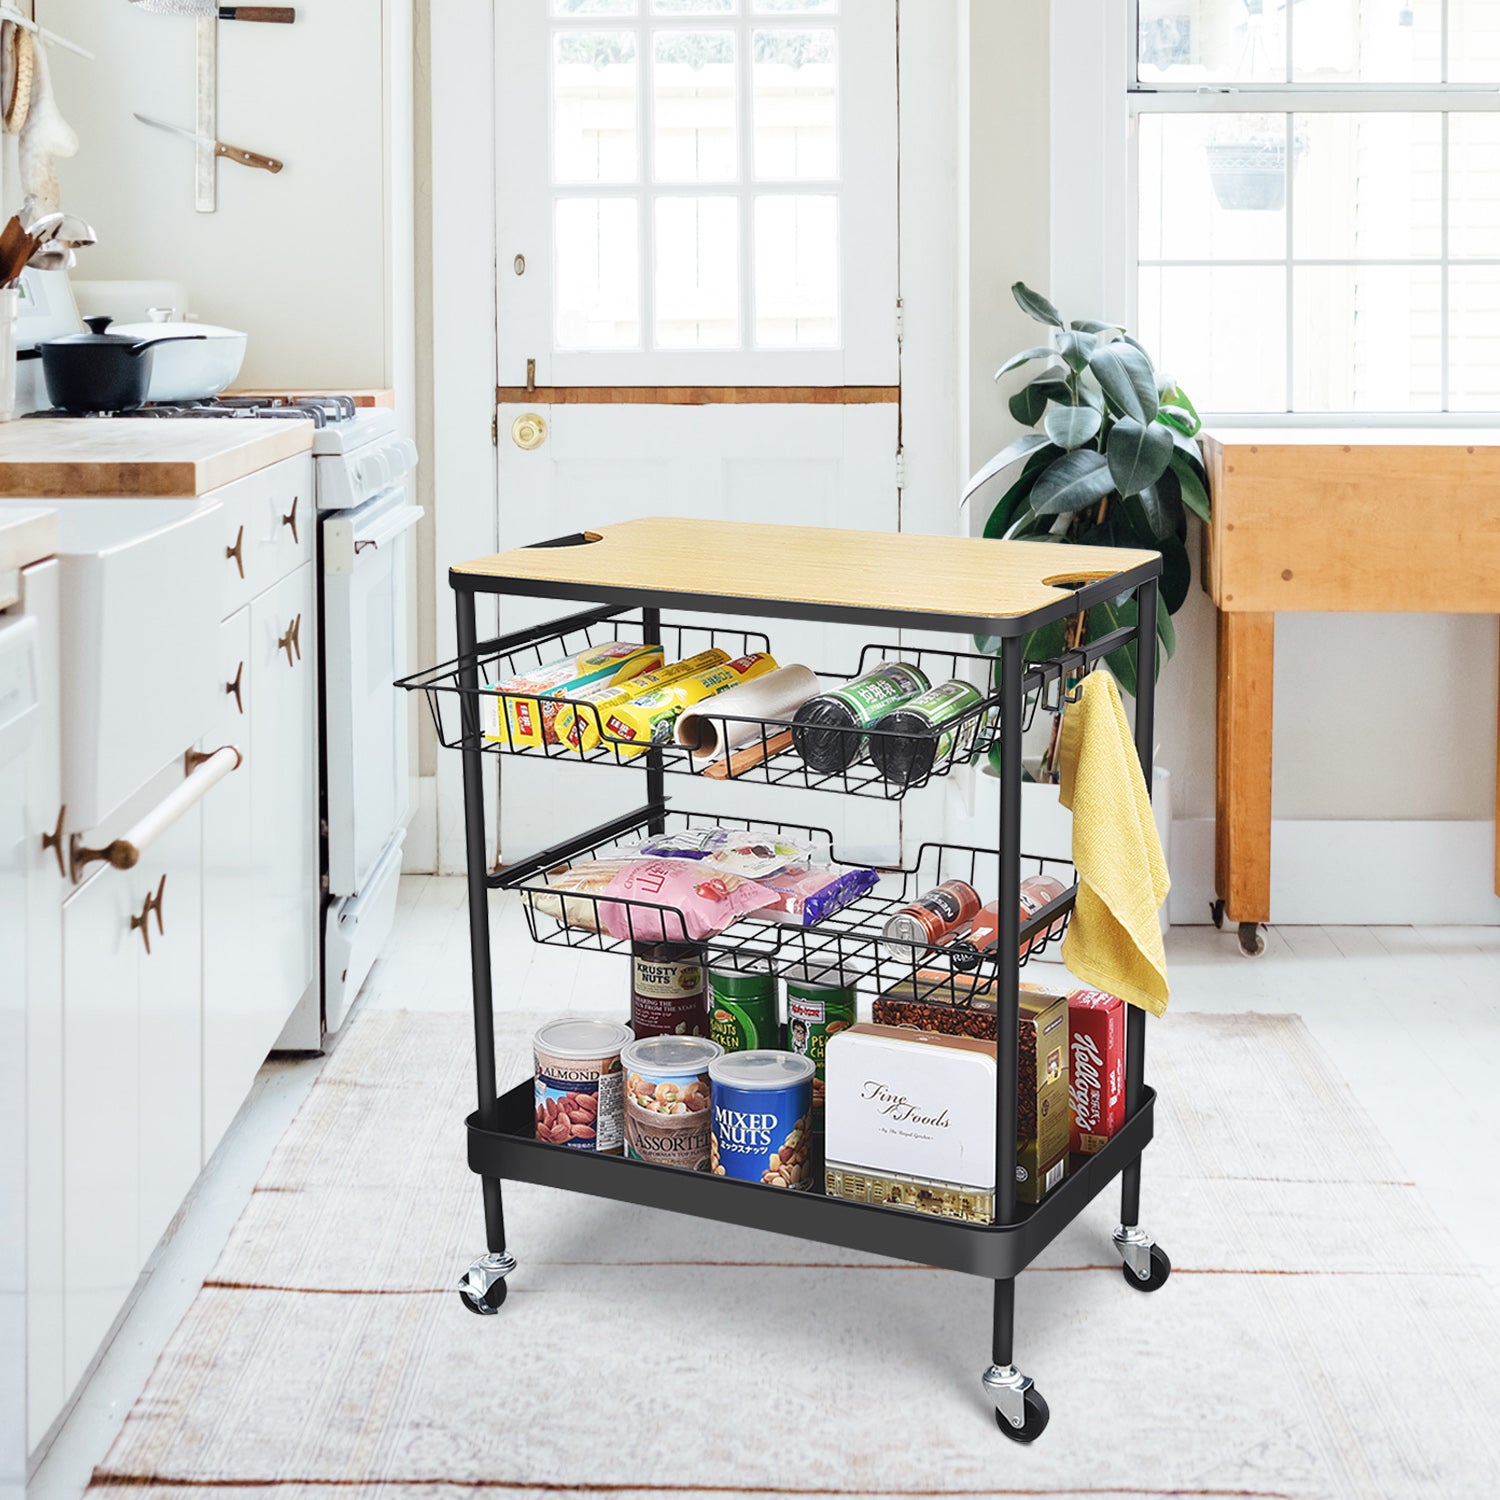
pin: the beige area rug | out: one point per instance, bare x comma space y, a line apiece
1320, 1335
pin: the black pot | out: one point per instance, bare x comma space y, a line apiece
99, 371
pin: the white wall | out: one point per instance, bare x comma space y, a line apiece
1377, 717
315, 262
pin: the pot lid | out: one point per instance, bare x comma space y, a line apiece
97, 336
142, 332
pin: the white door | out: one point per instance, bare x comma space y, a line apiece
698, 295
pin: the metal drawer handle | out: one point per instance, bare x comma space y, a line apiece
290, 519
292, 641
234, 687
237, 552
142, 923
54, 842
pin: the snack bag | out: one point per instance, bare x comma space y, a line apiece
805, 894
707, 900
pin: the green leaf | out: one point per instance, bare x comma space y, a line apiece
1166, 632
1194, 491
1125, 375
1112, 615
1176, 573
1034, 305
1161, 505
1026, 518
1071, 482
1015, 497
1028, 404
1027, 443
1076, 349
1042, 351
1071, 426
1179, 419
1139, 453
1094, 326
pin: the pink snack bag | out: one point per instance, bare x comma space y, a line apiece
708, 899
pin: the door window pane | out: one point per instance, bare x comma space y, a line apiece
1368, 338
1474, 185
1367, 41
797, 271
692, 7
791, 5
1212, 186
1221, 331
1473, 41
697, 273
796, 103
1474, 338
593, 7
1368, 186
593, 106
1205, 41
692, 85
597, 274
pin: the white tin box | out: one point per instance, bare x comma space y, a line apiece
909, 1105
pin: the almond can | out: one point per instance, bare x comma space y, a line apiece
579, 1084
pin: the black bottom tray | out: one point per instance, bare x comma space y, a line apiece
995, 1251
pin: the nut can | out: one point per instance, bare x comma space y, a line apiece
666, 990
742, 1010
666, 1100
579, 1093
762, 1128
818, 1005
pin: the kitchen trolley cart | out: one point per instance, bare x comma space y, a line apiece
725, 572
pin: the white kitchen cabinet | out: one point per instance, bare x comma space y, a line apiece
284, 788
46, 1387
132, 1075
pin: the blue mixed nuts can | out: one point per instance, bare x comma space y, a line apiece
762, 1118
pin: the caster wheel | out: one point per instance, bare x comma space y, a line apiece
488, 1305
1161, 1268
1217, 909
1252, 939
1037, 1417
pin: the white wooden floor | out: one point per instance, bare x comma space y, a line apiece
1409, 1016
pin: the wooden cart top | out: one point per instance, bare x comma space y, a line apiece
810, 571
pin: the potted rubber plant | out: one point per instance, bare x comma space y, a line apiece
1112, 461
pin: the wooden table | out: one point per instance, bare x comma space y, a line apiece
1382, 520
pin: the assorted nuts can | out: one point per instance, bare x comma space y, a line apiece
666, 1100
818, 1005
579, 1093
666, 990
762, 1107
742, 1010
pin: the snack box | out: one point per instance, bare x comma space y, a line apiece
1045, 1119
530, 720
909, 1118
579, 727
1096, 1068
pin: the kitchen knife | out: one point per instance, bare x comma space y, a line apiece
211, 9
233, 153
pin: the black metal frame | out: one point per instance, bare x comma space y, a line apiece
502, 1143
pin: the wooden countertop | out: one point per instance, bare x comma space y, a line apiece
1352, 437
57, 457
27, 535
953, 579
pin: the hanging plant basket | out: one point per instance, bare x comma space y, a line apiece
1248, 174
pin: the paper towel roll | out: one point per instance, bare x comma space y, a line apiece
777, 695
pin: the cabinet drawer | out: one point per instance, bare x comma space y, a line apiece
268, 520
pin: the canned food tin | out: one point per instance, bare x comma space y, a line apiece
666, 990
579, 1098
762, 1102
742, 1011
666, 1100
818, 1006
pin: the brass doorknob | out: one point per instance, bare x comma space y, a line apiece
529, 430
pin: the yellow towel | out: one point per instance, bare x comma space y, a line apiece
1114, 940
